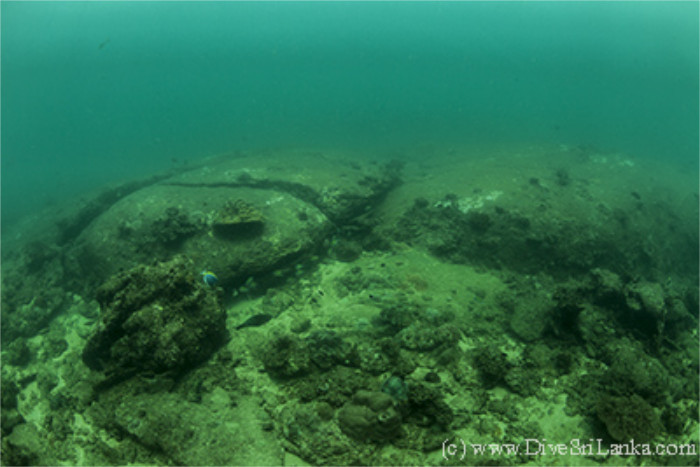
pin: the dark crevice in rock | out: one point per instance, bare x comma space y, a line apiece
341, 209
297, 190
70, 227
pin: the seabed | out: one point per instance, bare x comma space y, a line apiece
442, 305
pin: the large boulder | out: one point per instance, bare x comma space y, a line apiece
342, 186
155, 319
238, 217
163, 220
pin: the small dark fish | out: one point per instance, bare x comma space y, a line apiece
255, 320
101, 46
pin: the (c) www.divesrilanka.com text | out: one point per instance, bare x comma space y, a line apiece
576, 447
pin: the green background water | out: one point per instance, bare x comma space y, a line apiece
93, 92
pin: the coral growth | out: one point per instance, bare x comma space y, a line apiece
238, 219
155, 319
628, 418
370, 416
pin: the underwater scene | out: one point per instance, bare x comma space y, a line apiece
350, 233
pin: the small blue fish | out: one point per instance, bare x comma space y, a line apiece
209, 278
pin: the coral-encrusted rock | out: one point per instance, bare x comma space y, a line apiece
131, 232
628, 418
287, 356
370, 416
647, 297
646, 308
238, 219
155, 319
